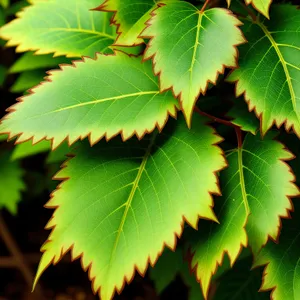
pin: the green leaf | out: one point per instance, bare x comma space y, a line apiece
28, 80
190, 48
282, 273
15, 7
240, 283
168, 266
120, 196
29, 61
4, 3
255, 190
113, 94
269, 68
262, 6
242, 117
166, 269
59, 155
130, 17
27, 149
3, 73
60, 27
11, 183
2, 17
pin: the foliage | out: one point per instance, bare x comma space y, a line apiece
170, 158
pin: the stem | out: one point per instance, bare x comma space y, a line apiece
250, 12
215, 119
17, 254
204, 6
239, 137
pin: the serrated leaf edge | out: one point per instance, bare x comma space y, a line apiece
268, 238
218, 72
37, 51
54, 146
114, 21
135, 268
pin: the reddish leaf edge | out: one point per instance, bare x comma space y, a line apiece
48, 80
114, 21
190, 254
218, 73
36, 50
148, 262
280, 217
253, 108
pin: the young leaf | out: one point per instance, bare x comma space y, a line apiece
11, 183
242, 117
282, 273
27, 149
121, 195
60, 27
262, 6
269, 71
190, 48
257, 181
130, 17
29, 61
106, 96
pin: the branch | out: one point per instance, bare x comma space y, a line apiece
17, 254
215, 119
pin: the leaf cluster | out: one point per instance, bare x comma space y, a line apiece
164, 144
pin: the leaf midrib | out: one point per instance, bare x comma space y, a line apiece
129, 200
102, 100
242, 180
284, 65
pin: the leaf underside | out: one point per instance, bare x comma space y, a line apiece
128, 192
190, 48
255, 189
269, 68
60, 27
107, 96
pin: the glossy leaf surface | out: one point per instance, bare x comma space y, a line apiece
120, 195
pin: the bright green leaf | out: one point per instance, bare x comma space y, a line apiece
190, 48
27, 149
242, 117
29, 62
61, 27
4, 3
262, 6
11, 183
28, 80
128, 192
114, 94
130, 17
255, 189
282, 273
269, 68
